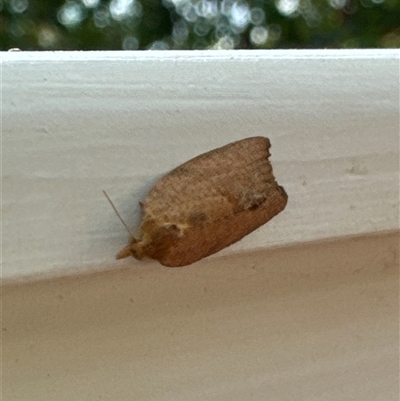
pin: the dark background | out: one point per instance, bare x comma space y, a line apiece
198, 24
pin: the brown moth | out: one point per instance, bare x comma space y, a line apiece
207, 204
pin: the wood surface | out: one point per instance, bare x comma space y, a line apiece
75, 123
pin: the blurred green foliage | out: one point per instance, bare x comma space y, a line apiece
198, 24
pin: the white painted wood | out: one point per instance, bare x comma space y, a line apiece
75, 123
315, 322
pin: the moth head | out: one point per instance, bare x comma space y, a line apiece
130, 250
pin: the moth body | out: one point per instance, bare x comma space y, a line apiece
207, 204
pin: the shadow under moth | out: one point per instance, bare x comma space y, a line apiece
207, 204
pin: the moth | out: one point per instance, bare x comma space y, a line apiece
207, 204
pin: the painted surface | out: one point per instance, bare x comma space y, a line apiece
77, 123
315, 322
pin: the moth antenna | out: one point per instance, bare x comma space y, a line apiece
119, 216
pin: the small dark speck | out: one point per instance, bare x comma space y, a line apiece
173, 228
356, 169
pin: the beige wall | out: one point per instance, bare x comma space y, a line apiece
313, 322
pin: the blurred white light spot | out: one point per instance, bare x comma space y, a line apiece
225, 43
257, 16
16, 29
70, 14
287, 7
159, 45
121, 9
222, 30
19, 6
137, 9
259, 35
130, 43
101, 17
201, 27
90, 3
176, 3
378, 1
206, 8
188, 12
310, 13
240, 15
226, 7
180, 32
313, 18
47, 38
337, 4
